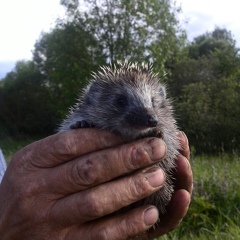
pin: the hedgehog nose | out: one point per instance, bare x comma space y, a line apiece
152, 121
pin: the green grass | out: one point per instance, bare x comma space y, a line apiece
215, 208
214, 212
11, 145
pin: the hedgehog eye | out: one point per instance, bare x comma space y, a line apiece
122, 101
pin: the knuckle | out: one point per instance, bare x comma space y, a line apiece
139, 187
127, 155
93, 206
130, 225
103, 233
134, 157
65, 144
83, 173
135, 228
139, 157
62, 146
145, 152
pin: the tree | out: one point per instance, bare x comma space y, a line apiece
134, 30
206, 85
93, 33
210, 114
66, 56
26, 106
219, 40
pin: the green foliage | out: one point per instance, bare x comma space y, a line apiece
66, 56
26, 106
210, 115
91, 35
214, 210
10, 145
122, 28
206, 86
210, 42
203, 77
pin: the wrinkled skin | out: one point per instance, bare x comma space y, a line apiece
67, 185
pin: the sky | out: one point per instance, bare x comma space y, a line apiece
205, 15
22, 21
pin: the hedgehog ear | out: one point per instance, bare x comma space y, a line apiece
88, 95
162, 92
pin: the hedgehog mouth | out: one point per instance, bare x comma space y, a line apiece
150, 132
132, 133
143, 128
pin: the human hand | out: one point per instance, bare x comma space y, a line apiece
65, 186
181, 198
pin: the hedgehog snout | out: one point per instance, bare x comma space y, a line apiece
143, 118
152, 121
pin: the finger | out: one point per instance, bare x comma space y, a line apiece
177, 209
107, 198
65, 146
185, 151
107, 164
183, 176
119, 227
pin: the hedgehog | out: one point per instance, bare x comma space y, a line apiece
129, 99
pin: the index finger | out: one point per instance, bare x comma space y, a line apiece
66, 146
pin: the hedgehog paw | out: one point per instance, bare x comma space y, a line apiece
80, 124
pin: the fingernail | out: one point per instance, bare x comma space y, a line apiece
155, 176
150, 216
155, 148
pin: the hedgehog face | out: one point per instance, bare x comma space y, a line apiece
129, 108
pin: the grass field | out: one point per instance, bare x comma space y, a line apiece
215, 208
10, 146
